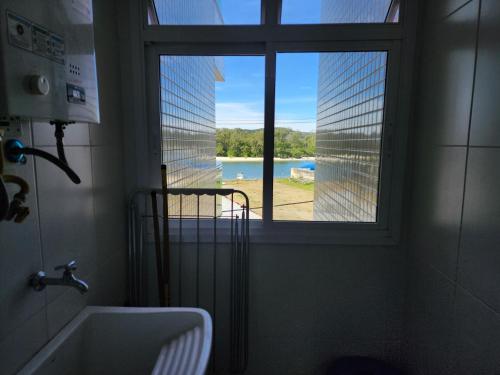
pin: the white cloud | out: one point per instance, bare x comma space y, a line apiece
239, 115
296, 100
250, 115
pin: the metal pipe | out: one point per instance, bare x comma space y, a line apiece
197, 251
159, 260
131, 245
139, 261
214, 287
180, 251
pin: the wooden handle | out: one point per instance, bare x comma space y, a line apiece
166, 239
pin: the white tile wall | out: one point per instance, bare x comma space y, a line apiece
430, 321
19, 346
453, 323
74, 135
446, 87
437, 205
311, 304
66, 212
477, 336
20, 255
443, 8
485, 129
85, 222
480, 247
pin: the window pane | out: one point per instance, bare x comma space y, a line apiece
207, 12
212, 127
328, 129
339, 11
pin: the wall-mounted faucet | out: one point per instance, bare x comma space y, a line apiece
40, 280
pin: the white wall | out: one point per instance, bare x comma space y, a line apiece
454, 280
309, 304
312, 304
86, 222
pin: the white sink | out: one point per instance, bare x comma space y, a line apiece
122, 340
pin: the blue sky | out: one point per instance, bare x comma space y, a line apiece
248, 11
240, 99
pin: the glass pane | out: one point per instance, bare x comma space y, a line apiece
328, 129
206, 12
339, 11
212, 116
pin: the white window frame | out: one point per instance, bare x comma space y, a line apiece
267, 40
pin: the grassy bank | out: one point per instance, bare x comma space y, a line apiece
308, 186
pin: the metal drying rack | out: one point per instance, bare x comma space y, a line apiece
206, 223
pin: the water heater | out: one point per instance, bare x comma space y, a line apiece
47, 61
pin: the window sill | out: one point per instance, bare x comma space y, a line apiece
283, 233
288, 233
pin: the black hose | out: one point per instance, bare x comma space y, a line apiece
45, 155
59, 134
4, 200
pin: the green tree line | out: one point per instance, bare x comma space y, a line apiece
288, 143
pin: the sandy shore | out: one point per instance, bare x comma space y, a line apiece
239, 159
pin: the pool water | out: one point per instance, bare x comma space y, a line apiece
252, 170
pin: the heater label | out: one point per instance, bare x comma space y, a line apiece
35, 38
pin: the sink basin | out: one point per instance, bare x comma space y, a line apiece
123, 340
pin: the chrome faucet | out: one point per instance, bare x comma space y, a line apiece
40, 280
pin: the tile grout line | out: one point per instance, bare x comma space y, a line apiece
94, 264
464, 191
479, 300
457, 9
467, 150
458, 285
469, 146
39, 224
18, 326
484, 147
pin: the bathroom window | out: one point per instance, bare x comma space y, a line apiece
339, 11
317, 144
204, 12
212, 126
329, 122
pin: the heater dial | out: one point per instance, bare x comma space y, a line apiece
39, 85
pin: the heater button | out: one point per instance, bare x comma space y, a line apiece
39, 85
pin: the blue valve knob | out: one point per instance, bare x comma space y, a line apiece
12, 154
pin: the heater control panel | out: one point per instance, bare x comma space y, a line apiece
47, 61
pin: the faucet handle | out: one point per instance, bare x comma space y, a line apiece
71, 266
